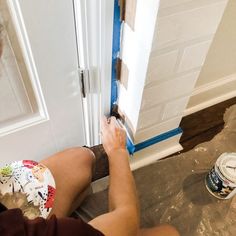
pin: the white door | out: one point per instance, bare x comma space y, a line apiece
40, 98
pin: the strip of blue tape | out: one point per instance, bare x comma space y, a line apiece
132, 148
115, 51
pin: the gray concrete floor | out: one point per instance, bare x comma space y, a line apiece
173, 190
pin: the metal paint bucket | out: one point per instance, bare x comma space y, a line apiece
221, 180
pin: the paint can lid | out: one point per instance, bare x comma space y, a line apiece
227, 166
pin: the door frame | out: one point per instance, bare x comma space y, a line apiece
94, 32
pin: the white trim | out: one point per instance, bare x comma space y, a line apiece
155, 157
211, 86
42, 115
209, 103
17, 17
94, 23
81, 35
214, 84
155, 152
22, 124
107, 15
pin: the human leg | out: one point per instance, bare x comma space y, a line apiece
72, 171
162, 230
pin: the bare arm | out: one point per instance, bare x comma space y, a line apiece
123, 218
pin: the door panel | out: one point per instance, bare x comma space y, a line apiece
15, 100
41, 110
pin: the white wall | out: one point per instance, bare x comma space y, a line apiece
135, 50
164, 55
217, 80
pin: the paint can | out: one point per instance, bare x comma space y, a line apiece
221, 180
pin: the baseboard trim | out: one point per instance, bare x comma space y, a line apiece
215, 100
138, 163
155, 152
133, 148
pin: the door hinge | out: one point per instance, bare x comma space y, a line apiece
83, 74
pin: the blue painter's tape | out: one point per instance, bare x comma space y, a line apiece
137, 147
130, 146
115, 51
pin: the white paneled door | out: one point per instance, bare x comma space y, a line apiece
40, 98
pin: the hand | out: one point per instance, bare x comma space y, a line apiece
113, 135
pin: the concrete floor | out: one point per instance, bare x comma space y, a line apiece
173, 190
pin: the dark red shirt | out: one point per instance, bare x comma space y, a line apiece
13, 223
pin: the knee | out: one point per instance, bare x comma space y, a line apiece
159, 230
81, 156
82, 159
170, 230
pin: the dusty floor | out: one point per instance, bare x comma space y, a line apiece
173, 190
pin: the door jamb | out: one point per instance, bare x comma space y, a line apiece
94, 28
